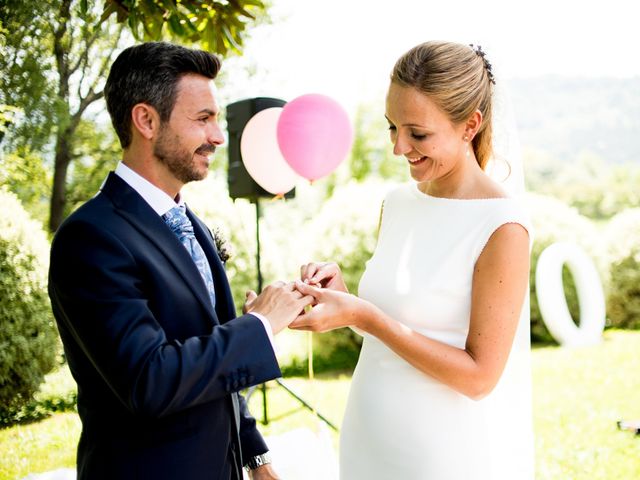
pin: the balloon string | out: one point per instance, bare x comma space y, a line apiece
310, 363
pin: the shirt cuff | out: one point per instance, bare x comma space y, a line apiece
267, 328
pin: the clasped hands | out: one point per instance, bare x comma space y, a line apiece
322, 287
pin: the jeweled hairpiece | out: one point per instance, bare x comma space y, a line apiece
487, 64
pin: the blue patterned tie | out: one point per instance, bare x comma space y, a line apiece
177, 220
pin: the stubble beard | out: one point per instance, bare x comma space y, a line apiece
178, 160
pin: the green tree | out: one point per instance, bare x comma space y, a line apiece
7, 116
596, 189
55, 56
23, 173
218, 26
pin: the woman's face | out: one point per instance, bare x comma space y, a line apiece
423, 134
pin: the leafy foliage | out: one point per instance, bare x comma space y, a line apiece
25, 58
55, 57
216, 26
623, 238
7, 117
23, 172
58, 393
553, 221
596, 189
345, 231
27, 332
96, 153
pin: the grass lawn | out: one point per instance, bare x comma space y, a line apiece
579, 394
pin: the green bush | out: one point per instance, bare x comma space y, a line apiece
345, 232
623, 241
28, 337
57, 394
553, 221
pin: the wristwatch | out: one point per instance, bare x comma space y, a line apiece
258, 461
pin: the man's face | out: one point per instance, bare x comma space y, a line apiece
187, 141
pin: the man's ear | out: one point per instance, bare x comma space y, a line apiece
472, 125
145, 119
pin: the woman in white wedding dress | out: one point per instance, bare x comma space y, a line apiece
438, 393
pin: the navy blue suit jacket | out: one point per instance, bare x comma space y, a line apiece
157, 367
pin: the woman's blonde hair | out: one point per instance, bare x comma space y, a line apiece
458, 79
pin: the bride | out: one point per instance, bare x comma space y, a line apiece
442, 387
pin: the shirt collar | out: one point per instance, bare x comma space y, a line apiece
155, 197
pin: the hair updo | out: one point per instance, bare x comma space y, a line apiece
458, 79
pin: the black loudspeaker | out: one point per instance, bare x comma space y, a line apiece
241, 185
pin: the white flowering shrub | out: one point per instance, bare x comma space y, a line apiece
345, 232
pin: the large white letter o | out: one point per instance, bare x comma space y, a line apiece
552, 301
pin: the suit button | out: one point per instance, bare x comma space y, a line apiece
251, 379
235, 384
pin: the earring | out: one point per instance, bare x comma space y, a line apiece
465, 138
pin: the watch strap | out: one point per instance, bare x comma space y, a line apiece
258, 461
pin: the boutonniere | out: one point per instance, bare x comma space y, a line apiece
222, 245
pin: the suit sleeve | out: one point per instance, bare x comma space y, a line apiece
98, 294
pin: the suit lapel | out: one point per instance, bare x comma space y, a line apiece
225, 307
137, 211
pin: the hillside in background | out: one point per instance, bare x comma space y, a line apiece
569, 117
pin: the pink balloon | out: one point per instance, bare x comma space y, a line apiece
261, 155
314, 135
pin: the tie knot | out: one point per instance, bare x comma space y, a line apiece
177, 220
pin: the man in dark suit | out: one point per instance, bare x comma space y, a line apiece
145, 314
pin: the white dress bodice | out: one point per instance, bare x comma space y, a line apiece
401, 423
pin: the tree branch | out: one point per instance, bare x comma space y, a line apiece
59, 51
84, 103
84, 57
106, 61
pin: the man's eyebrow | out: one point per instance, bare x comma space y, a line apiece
208, 112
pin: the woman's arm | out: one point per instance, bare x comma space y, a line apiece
499, 284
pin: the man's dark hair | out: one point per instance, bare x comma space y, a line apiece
149, 73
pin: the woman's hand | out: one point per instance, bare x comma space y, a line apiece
250, 297
324, 274
332, 309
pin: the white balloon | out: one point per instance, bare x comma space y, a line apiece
552, 301
261, 154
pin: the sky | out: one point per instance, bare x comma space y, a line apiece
346, 48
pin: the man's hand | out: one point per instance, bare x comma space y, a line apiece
279, 303
264, 472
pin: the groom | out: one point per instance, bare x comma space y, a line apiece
141, 298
